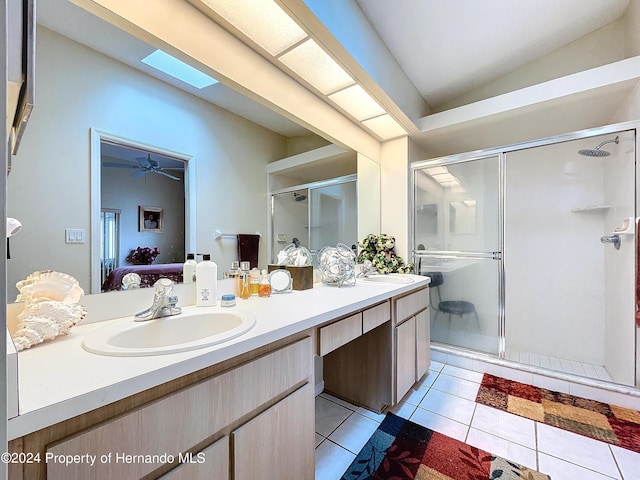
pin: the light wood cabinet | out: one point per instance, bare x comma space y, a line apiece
210, 463
360, 370
423, 344
412, 340
376, 369
339, 333
375, 316
285, 429
190, 432
405, 356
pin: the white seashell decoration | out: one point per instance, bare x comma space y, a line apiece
51, 307
49, 285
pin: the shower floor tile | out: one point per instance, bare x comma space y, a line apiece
597, 372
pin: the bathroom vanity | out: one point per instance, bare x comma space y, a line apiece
233, 410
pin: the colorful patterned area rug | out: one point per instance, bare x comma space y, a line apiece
400, 449
602, 421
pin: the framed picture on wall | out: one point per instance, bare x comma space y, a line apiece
150, 219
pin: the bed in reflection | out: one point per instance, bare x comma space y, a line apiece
149, 274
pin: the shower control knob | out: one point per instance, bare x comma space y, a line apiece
615, 239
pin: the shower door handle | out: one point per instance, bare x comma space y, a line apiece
615, 239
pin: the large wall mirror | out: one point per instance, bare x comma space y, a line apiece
91, 87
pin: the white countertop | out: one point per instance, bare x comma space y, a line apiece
60, 380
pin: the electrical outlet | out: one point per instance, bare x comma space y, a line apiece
74, 235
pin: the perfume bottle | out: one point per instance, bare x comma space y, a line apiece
265, 286
254, 282
244, 270
244, 285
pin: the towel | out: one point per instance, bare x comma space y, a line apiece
248, 248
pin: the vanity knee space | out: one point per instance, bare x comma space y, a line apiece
374, 356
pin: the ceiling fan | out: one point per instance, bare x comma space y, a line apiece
145, 165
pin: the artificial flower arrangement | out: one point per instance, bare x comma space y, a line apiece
379, 250
143, 255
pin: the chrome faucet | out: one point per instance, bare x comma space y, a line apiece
164, 305
367, 269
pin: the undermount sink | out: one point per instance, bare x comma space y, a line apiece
179, 333
389, 278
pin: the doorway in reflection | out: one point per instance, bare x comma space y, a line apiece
135, 184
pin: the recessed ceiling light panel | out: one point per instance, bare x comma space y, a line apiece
313, 64
263, 21
178, 69
436, 170
385, 127
357, 102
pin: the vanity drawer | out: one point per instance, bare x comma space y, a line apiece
411, 304
339, 333
375, 316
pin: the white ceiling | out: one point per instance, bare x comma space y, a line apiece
449, 47
446, 47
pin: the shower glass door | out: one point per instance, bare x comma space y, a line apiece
457, 242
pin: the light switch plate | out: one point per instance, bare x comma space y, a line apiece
74, 235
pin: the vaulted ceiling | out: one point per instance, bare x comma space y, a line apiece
452, 53
449, 48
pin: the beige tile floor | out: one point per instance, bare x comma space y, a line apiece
444, 402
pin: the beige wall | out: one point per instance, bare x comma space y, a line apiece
394, 191
629, 109
78, 89
632, 38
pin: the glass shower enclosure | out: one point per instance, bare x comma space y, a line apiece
458, 243
317, 214
531, 250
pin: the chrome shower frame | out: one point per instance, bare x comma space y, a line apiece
305, 186
501, 152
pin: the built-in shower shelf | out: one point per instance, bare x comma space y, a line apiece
594, 208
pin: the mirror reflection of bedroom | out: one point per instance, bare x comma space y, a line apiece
137, 184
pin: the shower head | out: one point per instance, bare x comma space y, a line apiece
299, 197
596, 152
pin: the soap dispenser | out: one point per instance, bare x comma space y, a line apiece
206, 282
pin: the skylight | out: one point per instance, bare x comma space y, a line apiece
178, 69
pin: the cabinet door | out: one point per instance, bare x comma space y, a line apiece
278, 443
405, 357
423, 345
212, 462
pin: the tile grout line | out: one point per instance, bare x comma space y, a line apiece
577, 464
615, 460
466, 437
535, 438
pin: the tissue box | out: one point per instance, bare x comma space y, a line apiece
302, 277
